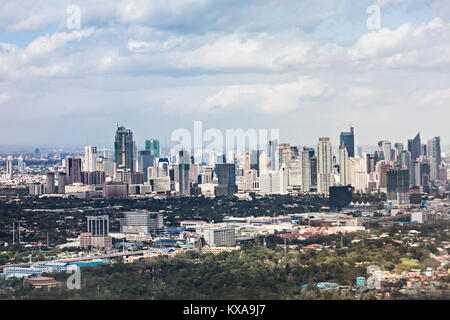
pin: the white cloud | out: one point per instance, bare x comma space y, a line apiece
270, 98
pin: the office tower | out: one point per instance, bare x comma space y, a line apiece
21, 166
398, 147
35, 188
347, 139
93, 178
163, 168
406, 162
386, 149
73, 170
254, 160
247, 161
414, 147
145, 160
37, 153
264, 163
343, 166
108, 167
423, 150
50, 183
212, 158
272, 154
434, 154
398, 186
295, 172
324, 165
284, 154
142, 221
9, 167
371, 161
306, 170
124, 148
183, 171
274, 182
220, 236
226, 175
90, 159
62, 181
294, 152
313, 170
152, 145
98, 225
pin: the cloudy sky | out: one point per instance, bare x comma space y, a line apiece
307, 67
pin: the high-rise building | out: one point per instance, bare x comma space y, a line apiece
274, 182
220, 236
284, 154
62, 181
21, 166
306, 170
73, 170
434, 154
184, 173
247, 161
145, 160
398, 147
313, 170
226, 175
90, 159
9, 167
414, 147
343, 166
324, 165
254, 160
398, 186
386, 149
50, 183
347, 139
124, 148
152, 145
295, 172
272, 154
98, 225
142, 221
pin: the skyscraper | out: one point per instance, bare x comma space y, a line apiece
9, 167
152, 145
184, 173
343, 166
324, 165
272, 154
284, 154
73, 170
98, 226
50, 183
347, 140
124, 148
434, 153
306, 170
90, 159
414, 147
226, 175
62, 181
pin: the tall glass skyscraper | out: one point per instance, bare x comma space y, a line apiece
348, 141
152, 145
124, 149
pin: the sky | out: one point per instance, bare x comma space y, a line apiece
308, 68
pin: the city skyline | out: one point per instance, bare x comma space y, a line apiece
311, 73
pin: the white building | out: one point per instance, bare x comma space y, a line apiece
220, 236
